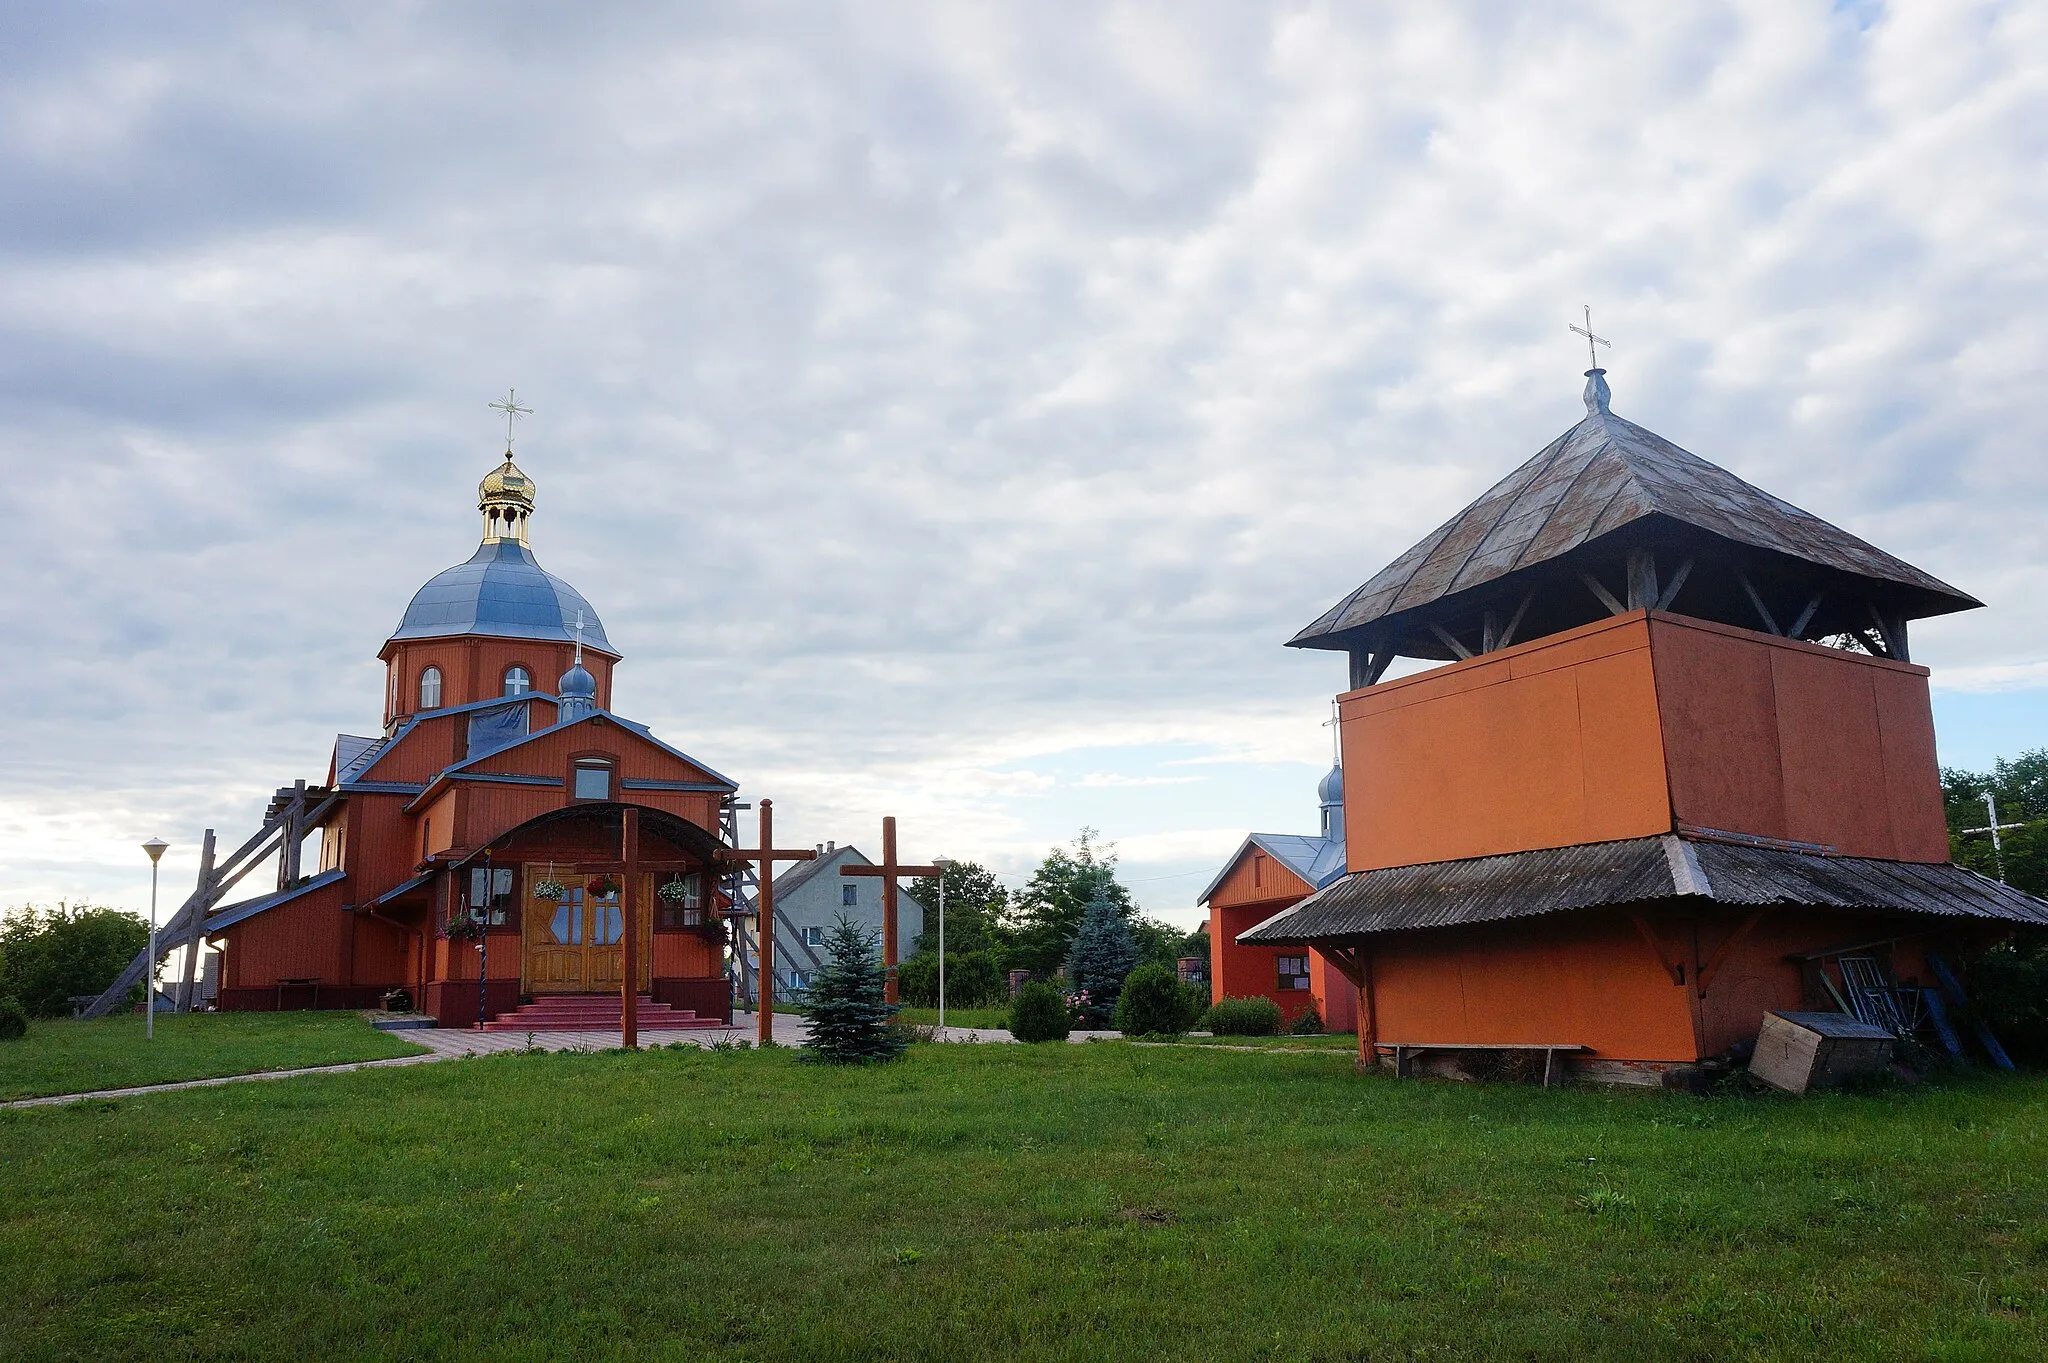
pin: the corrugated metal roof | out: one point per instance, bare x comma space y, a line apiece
1317, 861
1590, 875
1603, 474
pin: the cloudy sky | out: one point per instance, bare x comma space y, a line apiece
952, 408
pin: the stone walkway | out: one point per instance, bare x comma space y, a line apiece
452, 1044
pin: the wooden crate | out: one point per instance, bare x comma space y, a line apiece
1799, 1051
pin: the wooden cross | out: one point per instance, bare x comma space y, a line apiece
1592, 357
630, 909
767, 854
889, 872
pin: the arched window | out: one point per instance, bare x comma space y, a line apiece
518, 681
430, 689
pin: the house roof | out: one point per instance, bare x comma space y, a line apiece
1591, 875
1318, 861
1602, 475
230, 914
803, 872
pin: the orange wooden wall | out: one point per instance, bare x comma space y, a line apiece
1256, 888
473, 668
1625, 728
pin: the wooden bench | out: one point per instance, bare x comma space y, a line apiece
1406, 1051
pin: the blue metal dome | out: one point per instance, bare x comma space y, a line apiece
502, 592
1330, 790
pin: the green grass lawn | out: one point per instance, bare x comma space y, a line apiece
1324, 1041
77, 1057
985, 1202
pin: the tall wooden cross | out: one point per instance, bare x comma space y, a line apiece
767, 854
889, 872
630, 909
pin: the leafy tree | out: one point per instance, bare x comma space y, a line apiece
849, 1009
1102, 958
48, 955
1047, 912
1158, 943
976, 906
972, 980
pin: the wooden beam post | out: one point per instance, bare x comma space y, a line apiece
889, 872
629, 910
196, 935
767, 854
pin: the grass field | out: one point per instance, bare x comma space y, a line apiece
1078, 1202
76, 1057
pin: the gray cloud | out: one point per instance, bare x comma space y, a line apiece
928, 392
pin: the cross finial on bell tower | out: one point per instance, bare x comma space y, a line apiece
1592, 356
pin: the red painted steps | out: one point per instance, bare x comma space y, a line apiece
596, 1013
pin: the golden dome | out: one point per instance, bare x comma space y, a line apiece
505, 496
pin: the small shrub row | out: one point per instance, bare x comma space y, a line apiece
1039, 1013
13, 1020
1243, 1017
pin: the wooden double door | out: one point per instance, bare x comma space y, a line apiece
575, 944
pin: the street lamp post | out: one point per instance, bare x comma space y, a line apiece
942, 863
155, 847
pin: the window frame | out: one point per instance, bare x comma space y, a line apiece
581, 762
849, 895
526, 680
1285, 978
431, 672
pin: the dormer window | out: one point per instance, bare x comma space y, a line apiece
593, 779
518, 681
430, 689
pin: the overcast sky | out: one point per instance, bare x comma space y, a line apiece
952, 408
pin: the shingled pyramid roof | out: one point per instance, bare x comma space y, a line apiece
1603, 474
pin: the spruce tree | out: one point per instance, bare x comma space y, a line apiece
1102, 955
849, 1009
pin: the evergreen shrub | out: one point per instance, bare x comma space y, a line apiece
1039, 1013
848, 1002
1156, 1003
1243, 1017
1310, 1023
973, 980
1102, 955
13, 1020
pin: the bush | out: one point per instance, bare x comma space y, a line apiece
48, 955
1243, 1017
972, 980
13, 1020
1039, 1013
848, 1005
1156, 1003
1310, 1023
2008, 988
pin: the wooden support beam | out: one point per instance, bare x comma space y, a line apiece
1798, 629
1614, 607
1449, 640
1507, 635
1721, 953
1891, 629
889, 872
195, 932
1670, 592
1369, 665
1642, 580
630, 910
1674, 969
1770, 622
767, 854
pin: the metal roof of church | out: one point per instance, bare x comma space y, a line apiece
503, 592
1602, 474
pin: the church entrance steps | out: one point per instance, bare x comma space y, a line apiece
596, 1012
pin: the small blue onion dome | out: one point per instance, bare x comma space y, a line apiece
577, 681
1330, 790
504, 593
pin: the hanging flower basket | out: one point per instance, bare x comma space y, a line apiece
462, 928
602, 886
550, 890
675, 891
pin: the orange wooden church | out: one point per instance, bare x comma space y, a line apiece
473, 850
1679, 769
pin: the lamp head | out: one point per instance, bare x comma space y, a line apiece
155, 847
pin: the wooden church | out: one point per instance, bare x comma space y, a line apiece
1677, 770
474, 852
